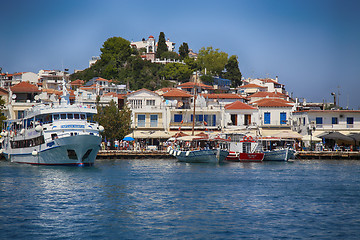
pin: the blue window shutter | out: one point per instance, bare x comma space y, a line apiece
267, 118
177, 117
214, 120
283, 118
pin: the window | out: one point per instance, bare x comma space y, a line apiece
234, 119
267, 118
141, 120
150, 102
63, 116
283, 118
83, 117
70, 116
350, 122
20, 114
76, 116
335, 120
153, 120
319, 120
247, 119
136, 103
56, 117
178, 117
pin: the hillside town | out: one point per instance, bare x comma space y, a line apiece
260, 107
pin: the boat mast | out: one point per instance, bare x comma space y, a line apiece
194, 116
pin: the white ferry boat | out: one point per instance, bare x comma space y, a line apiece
61, 134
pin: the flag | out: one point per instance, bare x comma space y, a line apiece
182, 121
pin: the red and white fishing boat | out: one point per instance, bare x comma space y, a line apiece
245, 150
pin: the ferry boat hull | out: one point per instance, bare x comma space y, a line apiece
74, 150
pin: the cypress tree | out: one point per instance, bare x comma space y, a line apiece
162, 47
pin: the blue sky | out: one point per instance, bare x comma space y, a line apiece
313, 46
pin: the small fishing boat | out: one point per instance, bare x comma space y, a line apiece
277, 149
195, 149
245, 150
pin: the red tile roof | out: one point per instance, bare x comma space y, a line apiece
176, 93
222, 96
267, 94
268, 80
251, 85
192, 85
77, 82
238, 105
24, 87
3, 91
272, 102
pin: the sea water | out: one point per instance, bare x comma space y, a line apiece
165, 199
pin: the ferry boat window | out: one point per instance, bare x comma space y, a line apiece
56, 117
76, 116
82, 116
70, 116
63, 116
48, 118
90, 118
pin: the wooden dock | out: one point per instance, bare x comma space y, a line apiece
328, 155
126, 154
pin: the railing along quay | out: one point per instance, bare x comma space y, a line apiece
328, 155
129, 154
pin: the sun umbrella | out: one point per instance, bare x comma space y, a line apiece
128, 139
335, 136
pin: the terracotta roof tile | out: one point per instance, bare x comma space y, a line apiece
222, 96
238, 105
267, 94
251, 85
192, 85
272, 102
24, 87
177, 93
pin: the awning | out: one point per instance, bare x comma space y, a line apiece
286, 134
149, 134
311, 138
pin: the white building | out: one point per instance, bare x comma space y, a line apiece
320, 121
52, 79
150, 45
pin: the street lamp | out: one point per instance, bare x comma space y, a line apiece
334, 94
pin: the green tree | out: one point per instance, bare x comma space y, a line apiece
212, 60
115, 51
177, 71
184, 51
162, 47
232, 71
115, 122
170, 55
2, 117
192, 64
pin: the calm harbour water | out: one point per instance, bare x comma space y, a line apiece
164, 199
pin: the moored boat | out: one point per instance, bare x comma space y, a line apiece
279, 154
194, 149
245, 150
60, 134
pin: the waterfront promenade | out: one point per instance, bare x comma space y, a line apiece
300, 155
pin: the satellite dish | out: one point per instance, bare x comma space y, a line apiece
13, 96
